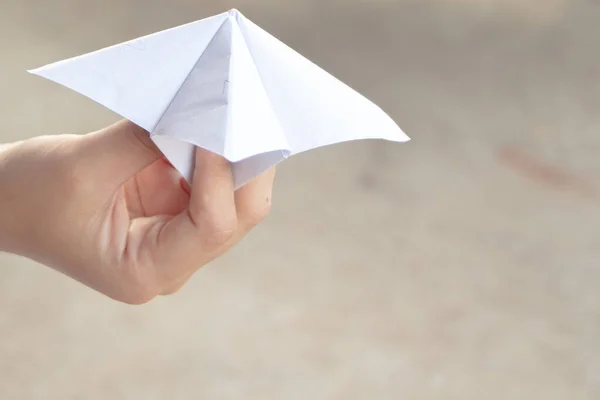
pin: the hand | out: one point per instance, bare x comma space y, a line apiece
107, 210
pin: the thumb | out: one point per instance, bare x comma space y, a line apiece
118, 152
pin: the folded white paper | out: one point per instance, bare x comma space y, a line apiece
228, 86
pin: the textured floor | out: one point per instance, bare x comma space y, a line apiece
462, 265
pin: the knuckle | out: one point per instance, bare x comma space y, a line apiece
257, 213
222, 233
220, 228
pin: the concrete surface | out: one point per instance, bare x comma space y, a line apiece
463, 265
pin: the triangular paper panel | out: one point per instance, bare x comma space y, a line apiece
314, 108
226, 85
139, 78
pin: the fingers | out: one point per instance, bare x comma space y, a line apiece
199, 234
220, 216
212, 209
118, 152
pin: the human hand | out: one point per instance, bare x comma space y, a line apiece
107, 210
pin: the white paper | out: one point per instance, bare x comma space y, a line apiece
228, 86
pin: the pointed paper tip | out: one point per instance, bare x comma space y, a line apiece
39, 71
36, 71
235, 14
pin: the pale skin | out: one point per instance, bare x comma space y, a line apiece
107, 210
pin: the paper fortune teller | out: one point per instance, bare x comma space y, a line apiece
226, 85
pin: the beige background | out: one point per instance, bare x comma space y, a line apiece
462, 265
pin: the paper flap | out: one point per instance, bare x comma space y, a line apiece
137, 79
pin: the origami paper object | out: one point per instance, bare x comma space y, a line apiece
226, 85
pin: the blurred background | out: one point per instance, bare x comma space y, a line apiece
464, 264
